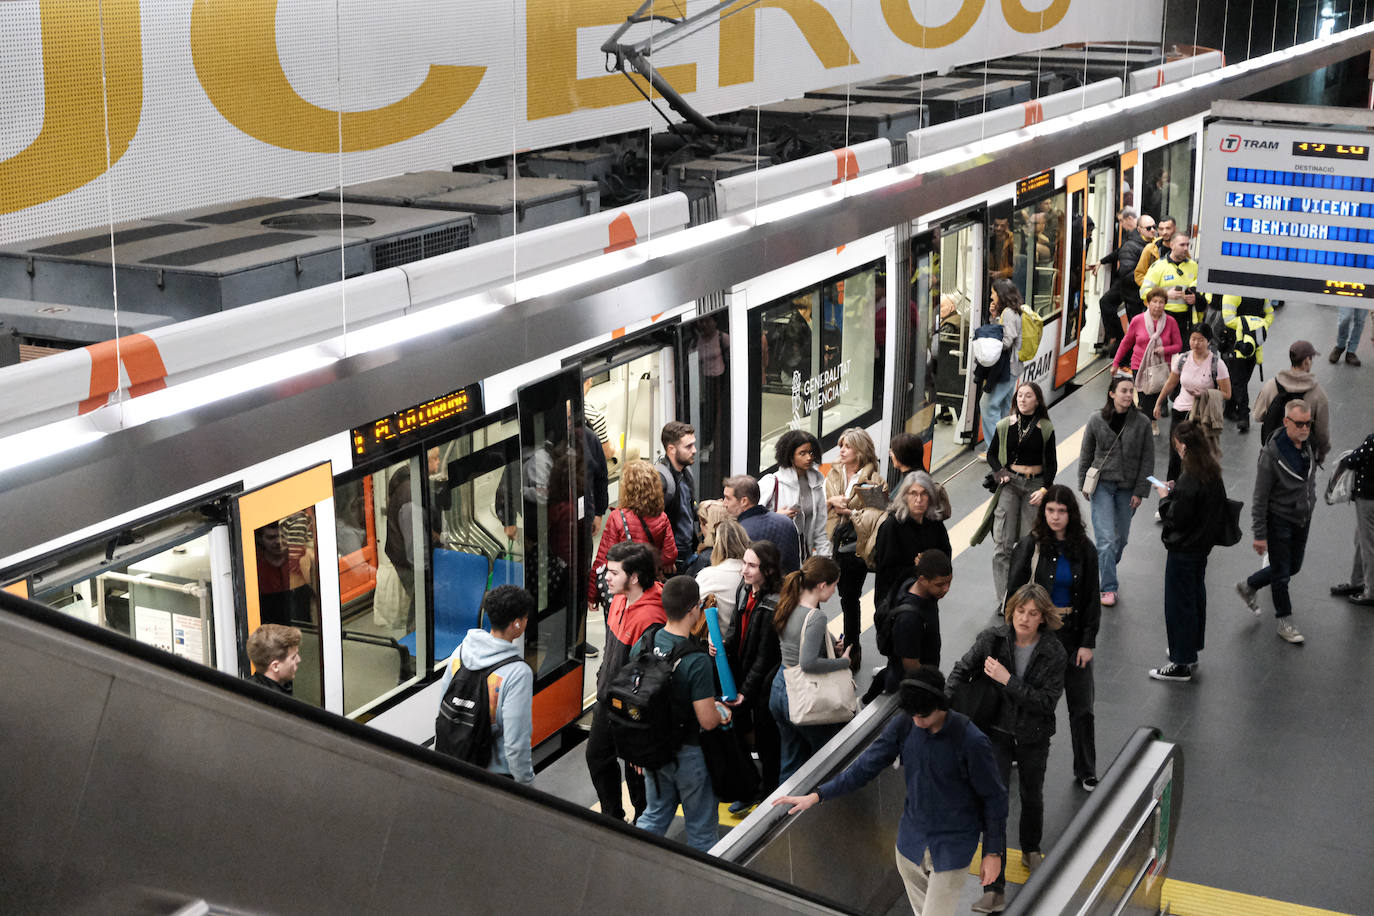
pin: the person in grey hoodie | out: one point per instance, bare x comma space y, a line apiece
1299, 379
510, 688
1285, 494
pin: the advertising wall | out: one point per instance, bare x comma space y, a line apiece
126, 108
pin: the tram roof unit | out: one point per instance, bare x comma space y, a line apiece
145, 452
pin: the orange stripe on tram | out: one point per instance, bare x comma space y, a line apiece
142, 361
621, 233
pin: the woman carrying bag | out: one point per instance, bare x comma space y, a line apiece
1151, 340
1026, 662
809, 665
852, 488
639, 517
1114, 467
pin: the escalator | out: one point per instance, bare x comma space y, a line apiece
141, 782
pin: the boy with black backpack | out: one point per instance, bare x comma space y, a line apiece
661, 701
486, 714
908, 626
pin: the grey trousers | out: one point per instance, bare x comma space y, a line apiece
1362, 569
1011, 520
931, 892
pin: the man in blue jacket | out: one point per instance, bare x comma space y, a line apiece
741, 500
953, 794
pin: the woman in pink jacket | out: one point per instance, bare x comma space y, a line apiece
1150, 330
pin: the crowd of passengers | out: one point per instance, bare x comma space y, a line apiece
726, 596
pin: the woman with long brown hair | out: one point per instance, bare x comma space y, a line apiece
639, 517
802, 635
1193, 509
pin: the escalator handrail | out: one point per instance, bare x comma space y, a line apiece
765, 820
121, 645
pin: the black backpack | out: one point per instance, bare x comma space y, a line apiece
885, 618
463, 727
1273, 416
640, 704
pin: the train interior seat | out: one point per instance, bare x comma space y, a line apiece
460, 581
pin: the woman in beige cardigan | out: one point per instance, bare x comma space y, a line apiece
852, 523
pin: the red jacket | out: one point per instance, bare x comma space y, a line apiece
657, 532
624, 627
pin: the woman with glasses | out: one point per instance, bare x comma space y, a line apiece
913, 523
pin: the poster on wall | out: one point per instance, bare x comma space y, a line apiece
188, 637
153, 627
209, 102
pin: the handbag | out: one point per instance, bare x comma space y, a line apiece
979, 697
1231, 532
733, 774
820, 698
1153, 372
1090, 478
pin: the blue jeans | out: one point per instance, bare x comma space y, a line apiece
799, 742
1287, 545
994, 405
1185, 605
1349, 327
685, 781
1112, 514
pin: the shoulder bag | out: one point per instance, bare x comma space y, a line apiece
1154, 370
979, 697
1090, 478
822, 698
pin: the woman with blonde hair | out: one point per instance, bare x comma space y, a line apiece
639, 517
722, 578
802, 636
855, 496
1025, 662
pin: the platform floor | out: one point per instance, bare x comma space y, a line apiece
1277, 738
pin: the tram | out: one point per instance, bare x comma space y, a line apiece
379, 540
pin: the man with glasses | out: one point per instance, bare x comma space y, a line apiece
1158, 248
1281, 512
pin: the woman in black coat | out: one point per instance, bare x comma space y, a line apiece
1026, 663
913, 522
1193, 509
752, 648
1058, 556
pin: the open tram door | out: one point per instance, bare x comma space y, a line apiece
1103, 204
1074, 268
556, 514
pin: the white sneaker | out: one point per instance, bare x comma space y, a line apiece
1288, 631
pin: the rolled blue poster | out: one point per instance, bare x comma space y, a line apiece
727, 680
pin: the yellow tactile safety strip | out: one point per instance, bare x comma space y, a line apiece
1184, 899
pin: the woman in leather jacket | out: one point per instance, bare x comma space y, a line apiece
1058, 556
752, 648
1026, 661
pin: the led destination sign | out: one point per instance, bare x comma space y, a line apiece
1310, 235
407, 426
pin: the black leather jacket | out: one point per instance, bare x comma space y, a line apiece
1027, 710
755, 655
1080, 627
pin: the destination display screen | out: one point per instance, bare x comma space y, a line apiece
1285, 212
404, 427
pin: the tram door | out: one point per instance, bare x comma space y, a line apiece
279, 550
628, 395
556, 517
1075, 306
960, 293
1102, 197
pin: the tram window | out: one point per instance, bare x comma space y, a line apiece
150, 582
379, 528
1039, 234
816, 355
288, 584
623, 410
1167, 181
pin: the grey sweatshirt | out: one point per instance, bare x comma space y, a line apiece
1130, 463
800, 642
512, 720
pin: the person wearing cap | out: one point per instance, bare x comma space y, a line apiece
1192, 372
954, 794
1298, 379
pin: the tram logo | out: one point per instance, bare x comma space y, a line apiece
1230, 143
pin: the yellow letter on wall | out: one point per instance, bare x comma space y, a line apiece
551, 83
69, 150
234, 46
904, 25
1022, 20
737, 53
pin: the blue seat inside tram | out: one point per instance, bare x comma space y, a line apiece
460, 582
